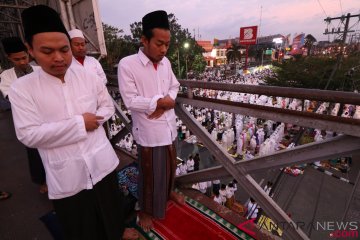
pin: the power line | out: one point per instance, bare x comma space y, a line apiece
326, 16
322, 8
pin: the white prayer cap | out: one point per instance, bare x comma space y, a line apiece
76, 33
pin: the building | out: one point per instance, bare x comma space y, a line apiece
213, 55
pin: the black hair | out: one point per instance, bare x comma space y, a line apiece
29, 40
148, 34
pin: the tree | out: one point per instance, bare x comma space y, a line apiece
233, 54
199, 64
117, 46
314, 72
309, 43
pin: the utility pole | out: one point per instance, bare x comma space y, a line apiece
343, 40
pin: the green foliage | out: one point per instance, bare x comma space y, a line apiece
117, 46
199, 64
314, 72
136, 31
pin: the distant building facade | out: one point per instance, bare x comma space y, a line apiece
213, 55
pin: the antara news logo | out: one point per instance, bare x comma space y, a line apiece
336, 229
340, 229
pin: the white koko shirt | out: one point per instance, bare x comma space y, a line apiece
91, 64
48, 115
140, 87
7, 77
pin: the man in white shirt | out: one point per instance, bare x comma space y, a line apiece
222, 192
60, 111
177, 172
19, 57
78, 48
218, 198
17, 54
252, 209
183, 168
190, 164
148, 88
203, 186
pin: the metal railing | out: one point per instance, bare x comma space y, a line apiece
338, 146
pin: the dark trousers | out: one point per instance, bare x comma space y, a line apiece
37, 171
4, 103
93, 214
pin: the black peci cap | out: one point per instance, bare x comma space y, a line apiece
39, 19
13, 45
156, 19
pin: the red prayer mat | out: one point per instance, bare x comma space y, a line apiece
184, 222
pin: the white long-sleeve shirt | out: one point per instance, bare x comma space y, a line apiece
92, 65
141, 85
190, 164
7, 77
48, 115
252, 210
218, 199
229, 192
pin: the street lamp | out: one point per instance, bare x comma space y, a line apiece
178, 55
186, 46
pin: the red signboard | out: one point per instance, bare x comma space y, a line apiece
248, 35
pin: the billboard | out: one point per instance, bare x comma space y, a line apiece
248, 35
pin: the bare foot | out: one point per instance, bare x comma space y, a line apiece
43, 188
145, 221
177, 197
130, 234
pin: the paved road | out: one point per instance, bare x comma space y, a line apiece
20, 214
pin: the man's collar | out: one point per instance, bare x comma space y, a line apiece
144, 59
22, 72
80, 60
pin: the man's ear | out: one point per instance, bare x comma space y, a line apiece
144, 40
30, 49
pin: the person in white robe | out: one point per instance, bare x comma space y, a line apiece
222, 192
60, 110
252, 209
183, 168
217, 198
190, 164
18, 56
79, 50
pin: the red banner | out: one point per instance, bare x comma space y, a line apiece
248, 35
